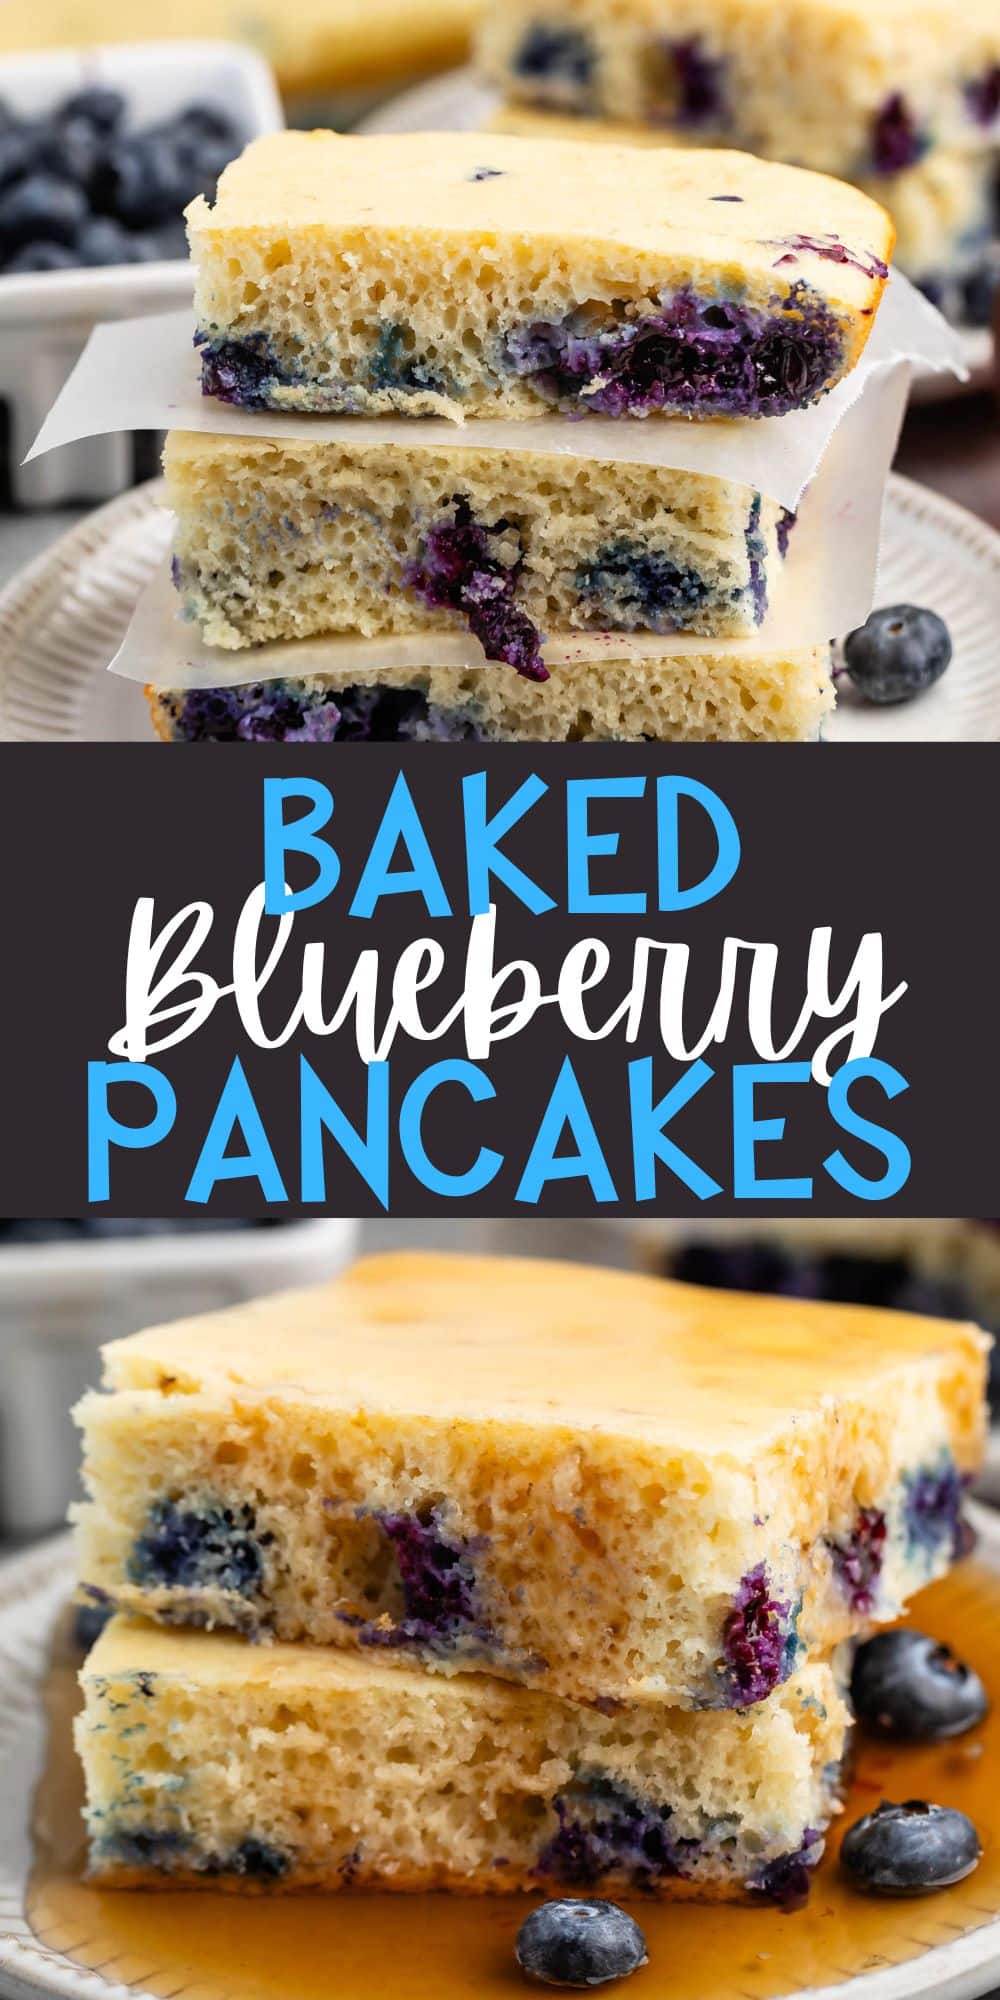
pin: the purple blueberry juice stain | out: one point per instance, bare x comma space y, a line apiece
245, 372
249, 371
786, 1882
282, 712
858, 1559
437, 1574
700, 82
257, 712
393, 367
458, 571
897, 142
757, 561
148, 1848
606, 1829
714, 356
932, 1512
200, 1546
255, 1860
630, 587
757, 1641
786, 522
171, 1852
834, 251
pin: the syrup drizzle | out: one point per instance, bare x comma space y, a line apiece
212, 1946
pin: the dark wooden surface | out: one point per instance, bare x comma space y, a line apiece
954, 446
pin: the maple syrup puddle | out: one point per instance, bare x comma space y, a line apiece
204, 1945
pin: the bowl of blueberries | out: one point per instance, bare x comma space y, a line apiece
68, 1286
100, 153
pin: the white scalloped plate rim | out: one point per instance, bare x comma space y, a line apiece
63, 617
458, 101
32, 1589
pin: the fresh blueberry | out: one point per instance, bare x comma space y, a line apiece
912, 1689
909, 1849
102, 240
140, 181
169, 240
206, 121
897, 653
72, 150
41, 208
579, 1944
202, 165
102, 108
20, 146
151, 246
33, 257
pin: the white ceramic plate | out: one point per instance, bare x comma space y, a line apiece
33, 1589
63, 619
459, 102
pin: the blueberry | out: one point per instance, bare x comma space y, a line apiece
758, 1641
20, 146
206, 121
169, 240
142, 181
979, 291
897, 653
700, 82
604, 1828
552, 51
103, 109
33, 257
909, 1849
89, 1621
897, 142
41, 208
151, 246
72, 150
202, 164
579, 1944
259, 1860
207, 1547
912, 1689
457, 567
104, 241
